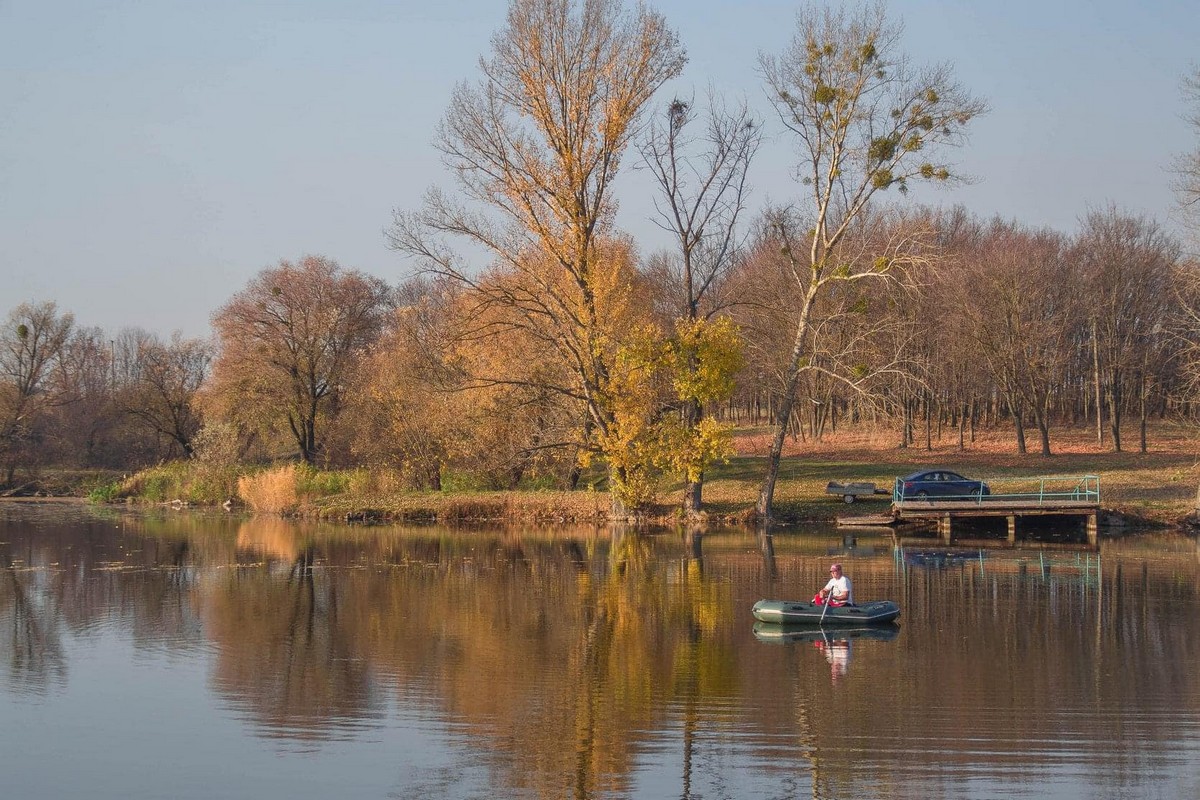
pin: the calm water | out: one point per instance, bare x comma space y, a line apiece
203, 656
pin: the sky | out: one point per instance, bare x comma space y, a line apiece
155, 155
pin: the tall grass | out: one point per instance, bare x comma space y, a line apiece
184, 481
271, 491
289, 488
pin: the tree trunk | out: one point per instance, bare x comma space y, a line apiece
1043, 425
1096, 376
693, 491
974, 413
1114, 410
1018, 425
766, 494
791, 382
1041, 417
576, 473
618, 511
962, 428
693, 496
1142, 421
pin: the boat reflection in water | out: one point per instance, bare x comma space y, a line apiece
782, 634
836, 643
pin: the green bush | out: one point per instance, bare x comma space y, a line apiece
187, 481
212, 484
161, 484
105, 493
312, 483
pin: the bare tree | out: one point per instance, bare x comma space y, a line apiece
286, 342
864, 120
86, 425
703, 187
1187, 165
1127, 262
1183, 327
32, 340
1018, 294
536, 145
162, 394
703, 184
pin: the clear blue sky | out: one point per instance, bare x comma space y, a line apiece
156, 154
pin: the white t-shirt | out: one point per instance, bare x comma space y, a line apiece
841, 588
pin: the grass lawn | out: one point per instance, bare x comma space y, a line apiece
1159, 485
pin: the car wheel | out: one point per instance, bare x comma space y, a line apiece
922, 495
848, 499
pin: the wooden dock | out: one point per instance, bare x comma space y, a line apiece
1020, 515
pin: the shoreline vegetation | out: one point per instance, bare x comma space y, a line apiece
1156, 488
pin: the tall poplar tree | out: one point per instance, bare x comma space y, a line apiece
864, 121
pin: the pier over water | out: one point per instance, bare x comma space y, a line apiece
1017, 509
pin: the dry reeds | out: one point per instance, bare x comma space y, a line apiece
271, 491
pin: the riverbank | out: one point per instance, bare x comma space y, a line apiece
1153, 488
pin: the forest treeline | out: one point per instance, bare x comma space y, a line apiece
534, 341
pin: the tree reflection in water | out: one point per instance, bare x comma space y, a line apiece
284, 656
561, 662
32, 616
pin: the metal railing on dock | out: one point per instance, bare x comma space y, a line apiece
1043, 490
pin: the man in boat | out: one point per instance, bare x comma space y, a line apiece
838, 592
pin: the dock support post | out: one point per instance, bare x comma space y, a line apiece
1012, 528
944, 529
1093, 529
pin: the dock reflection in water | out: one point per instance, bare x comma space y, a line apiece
145, 649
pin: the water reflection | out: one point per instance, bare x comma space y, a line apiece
603, 663
836, 644
30, 611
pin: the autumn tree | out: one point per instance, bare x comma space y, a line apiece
702, 183
31, 342
864, 121
403, 421
535, 145
163, 386
286, 343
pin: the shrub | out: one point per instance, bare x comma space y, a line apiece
159, 484
184, 481
105, 493
312, 483
376, 481
212, 484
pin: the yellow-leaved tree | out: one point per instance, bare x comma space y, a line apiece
535, 146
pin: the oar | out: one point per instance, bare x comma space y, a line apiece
825, 608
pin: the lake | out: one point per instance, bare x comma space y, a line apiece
160, 654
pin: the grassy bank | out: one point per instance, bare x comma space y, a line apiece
1158, 486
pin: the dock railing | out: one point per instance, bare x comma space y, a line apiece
1082, 489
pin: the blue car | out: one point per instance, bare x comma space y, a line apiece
939, 484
